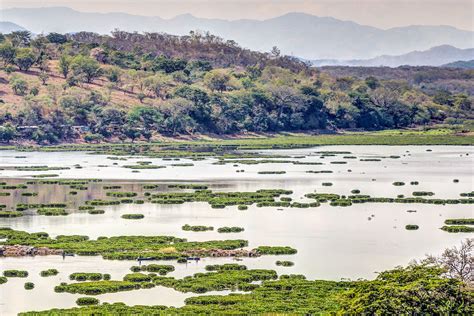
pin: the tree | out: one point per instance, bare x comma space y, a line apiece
157, 85
87, 67
217, 80
20, 38
64, 65
113, 74
19, 85
25, 58
7, 133
457, 262
43, 76
147, 117
168, 65
372, 82
7, 54
56, 38
275, 52
415, 290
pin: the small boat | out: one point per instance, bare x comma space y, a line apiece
145, 259
193, 258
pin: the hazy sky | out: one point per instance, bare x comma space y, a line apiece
379, 13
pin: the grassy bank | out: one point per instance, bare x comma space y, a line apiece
438, 136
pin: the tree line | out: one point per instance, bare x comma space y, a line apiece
136, 86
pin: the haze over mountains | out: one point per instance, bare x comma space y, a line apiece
296, 34
8, 27
436, 56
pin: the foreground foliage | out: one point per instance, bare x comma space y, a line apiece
417, 289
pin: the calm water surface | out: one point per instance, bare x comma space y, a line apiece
332, 242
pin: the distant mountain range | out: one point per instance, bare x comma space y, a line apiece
296, 34
436, 56
8, 27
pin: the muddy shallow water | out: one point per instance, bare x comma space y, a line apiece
332, 242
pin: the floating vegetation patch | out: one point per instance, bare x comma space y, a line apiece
189, 186
225, 267
87, 301
96, 287
459, 221
48, 175
39, 168
132, 216
29, 194
121, 194
88, 276
232, 229
137, 167
10, 214
49, 272
422, 193
29, 286
219, 199
112, 187
269, 250
196, 228
15, 273
458, 229
13, 187
95, 212
161, 269
51, 211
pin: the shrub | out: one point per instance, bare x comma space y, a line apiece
411, 227
19, 85
285, 263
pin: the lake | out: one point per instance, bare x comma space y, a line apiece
332, 242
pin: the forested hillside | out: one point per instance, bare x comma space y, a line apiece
127, 86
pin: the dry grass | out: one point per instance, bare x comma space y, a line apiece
14, 103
